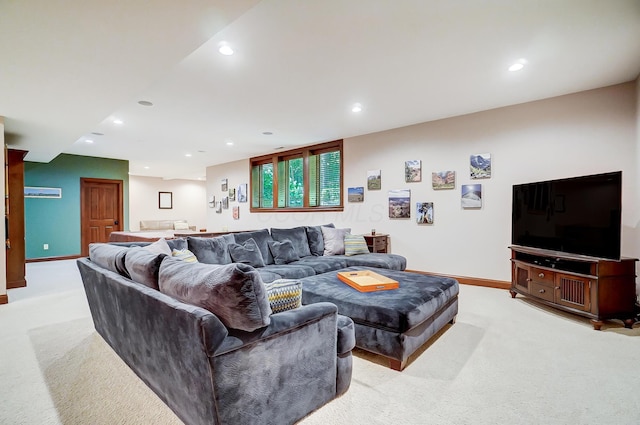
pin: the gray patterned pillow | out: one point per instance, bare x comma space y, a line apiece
246, 253
283, 252
233, 292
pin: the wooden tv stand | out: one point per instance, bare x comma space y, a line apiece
593, 287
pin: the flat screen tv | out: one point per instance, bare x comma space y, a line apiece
579, 215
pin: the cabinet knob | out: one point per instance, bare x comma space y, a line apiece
557, 287
542, 291
541, 275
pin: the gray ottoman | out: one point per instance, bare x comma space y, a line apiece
393, 323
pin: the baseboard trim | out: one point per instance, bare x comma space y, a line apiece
64, 257
4, 299
489, 283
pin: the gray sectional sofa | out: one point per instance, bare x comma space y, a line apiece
193, 318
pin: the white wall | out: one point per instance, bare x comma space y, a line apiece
189, 201
3, 255
584, 133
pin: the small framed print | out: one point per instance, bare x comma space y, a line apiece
413, 171
165, 200
224, 185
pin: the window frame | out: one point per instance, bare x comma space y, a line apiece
304, 153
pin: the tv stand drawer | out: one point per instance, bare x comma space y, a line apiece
542, 277
542, 291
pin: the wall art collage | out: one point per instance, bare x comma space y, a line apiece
400, 199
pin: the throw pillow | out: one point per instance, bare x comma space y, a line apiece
297, 236
355, 244
184, 255
159, 247
316, 242
235, 293
110, 257
247, 253
334, 240
211, 250
284, 294
283, 252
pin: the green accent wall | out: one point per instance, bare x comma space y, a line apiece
57, 221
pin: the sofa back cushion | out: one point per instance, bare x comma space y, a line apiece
235, 293
298, 238
262, 238
110, 257
316, 241
177, 243
143, 266
211, 250
246, 253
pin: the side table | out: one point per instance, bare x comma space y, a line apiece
377, 243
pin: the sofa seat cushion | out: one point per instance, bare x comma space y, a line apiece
297, 236
235, 293
211, 250
262, 238
384, 261
267, 275
290, 271
398, 310
323, 264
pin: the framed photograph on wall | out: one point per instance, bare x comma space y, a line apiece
224, 184
471, 196
355, 194
232, 194
374, 180
165, 200
413, 171
443, 180
242, 192
225, 202
400, 203
480, 166
236, 212
424, 212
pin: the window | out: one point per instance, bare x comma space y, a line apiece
305, 179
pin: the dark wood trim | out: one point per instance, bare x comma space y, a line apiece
489, 283
62, 257
4, 299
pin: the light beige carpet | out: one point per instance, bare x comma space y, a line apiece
505, 361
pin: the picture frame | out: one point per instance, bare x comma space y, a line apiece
242, 192
374, 180
219, 207
480, 166
355, 194
165, 200
232, 194
400, 203
424, 212
225, 202
224, 184
443, 180
413, 171
471, 196
236, 212
42, 192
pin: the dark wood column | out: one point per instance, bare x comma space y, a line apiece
14, 204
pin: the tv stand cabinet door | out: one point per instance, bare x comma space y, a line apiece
573, 291
521, 280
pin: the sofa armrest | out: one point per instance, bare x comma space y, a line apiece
286, 321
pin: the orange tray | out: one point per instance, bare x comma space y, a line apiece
367, 281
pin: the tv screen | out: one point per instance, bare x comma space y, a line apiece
579, 215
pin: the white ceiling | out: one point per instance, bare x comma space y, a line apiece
69, 67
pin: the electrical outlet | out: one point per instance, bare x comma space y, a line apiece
45, 246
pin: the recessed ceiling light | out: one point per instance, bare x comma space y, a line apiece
518, 65
145, 103
146, 168
356, 107
229, 142
117, 121
187, 155
225, 49
267, 133
88, 141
